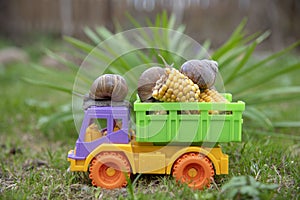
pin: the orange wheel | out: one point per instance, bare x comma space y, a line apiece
194, 169
109, 170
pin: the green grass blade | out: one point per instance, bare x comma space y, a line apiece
274, 134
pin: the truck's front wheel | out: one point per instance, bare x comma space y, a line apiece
194, 169
109, 170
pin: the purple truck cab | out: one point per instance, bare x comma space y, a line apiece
108, 115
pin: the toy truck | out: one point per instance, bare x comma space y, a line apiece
174, 138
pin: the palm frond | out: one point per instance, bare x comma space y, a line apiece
121, 52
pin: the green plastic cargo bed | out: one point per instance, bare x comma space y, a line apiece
189, 122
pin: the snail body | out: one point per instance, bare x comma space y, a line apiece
147, 82
201, 72
109, 86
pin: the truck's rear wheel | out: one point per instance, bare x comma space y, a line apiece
109, 170
193, 169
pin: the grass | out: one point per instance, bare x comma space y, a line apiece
33, 161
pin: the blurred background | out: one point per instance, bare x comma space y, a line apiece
42, 47
213, 19
39, 37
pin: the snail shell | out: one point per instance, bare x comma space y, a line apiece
147, 82
201, 72
109, 86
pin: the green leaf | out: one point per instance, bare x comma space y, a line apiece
79, 44
279, 94
133, 21
171, 22
144, 35
232, 56
164, 19
268, 186
50, 72
49, 121
149, 22
234, 39
104, 32
242, 63
258, 116
247, 55
267, 77
269, 58
235, 59
286, 124
92, 35
48, 85
118, 27
72, 66
250, 191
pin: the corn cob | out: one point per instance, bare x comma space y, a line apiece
174, 86
211, 95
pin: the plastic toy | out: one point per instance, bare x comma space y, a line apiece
170, 138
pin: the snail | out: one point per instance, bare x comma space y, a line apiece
109, 86
147, 82
201, 72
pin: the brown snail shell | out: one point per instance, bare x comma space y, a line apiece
201, 72
109, 86
147, 82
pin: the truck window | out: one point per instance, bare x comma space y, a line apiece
117, 125
101, 123
96, 129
